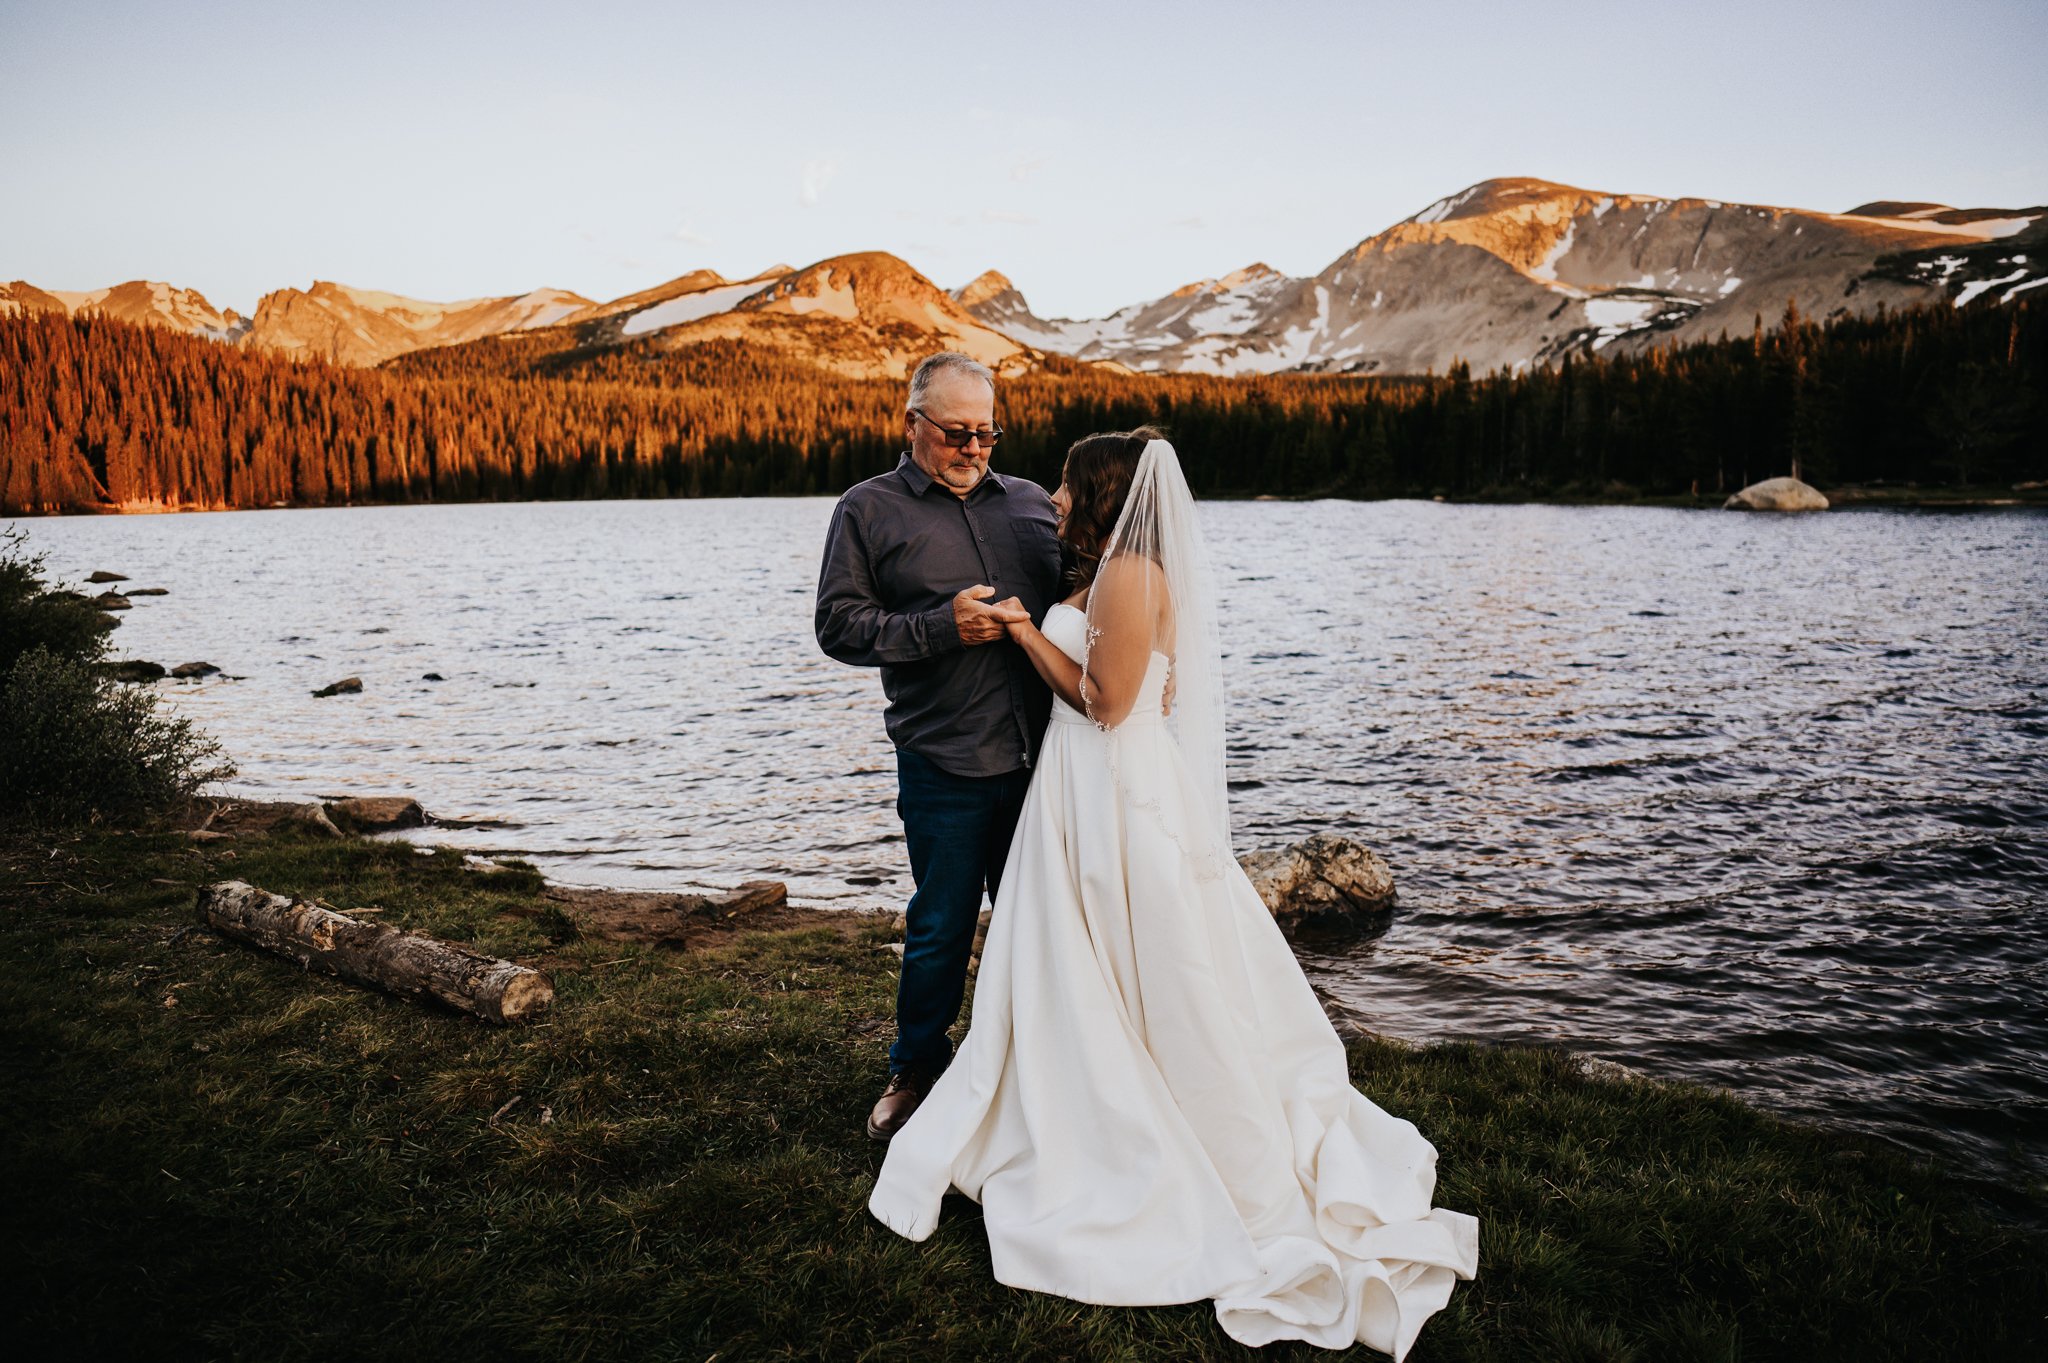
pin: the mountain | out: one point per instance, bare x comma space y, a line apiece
1514, 272
139, 300
1508, 272
867, 315
365, 327
683, 299
1228, 306
863, 315
333, 321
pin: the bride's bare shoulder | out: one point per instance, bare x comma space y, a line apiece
1135, 574
1133, 587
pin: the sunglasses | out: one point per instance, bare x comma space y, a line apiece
958, 439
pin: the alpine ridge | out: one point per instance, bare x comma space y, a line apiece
1515, 272
1507, 273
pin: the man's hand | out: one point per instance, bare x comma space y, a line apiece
984, 624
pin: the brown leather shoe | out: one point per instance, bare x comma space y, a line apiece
906, 1090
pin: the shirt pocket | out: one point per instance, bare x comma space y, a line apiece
1039, 544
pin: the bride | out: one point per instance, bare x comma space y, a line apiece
1150, 1104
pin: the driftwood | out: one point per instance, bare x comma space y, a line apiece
409, 964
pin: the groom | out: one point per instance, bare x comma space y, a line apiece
915, 562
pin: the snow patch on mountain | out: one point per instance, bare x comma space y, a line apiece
1983, 229
687, 308
1977, 286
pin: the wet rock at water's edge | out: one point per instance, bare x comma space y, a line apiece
147, 591
103, 575
232, 816
193, 670
1323, 884
377, 813
346, 686
113, 601
214, 816
1777, 494
135, 670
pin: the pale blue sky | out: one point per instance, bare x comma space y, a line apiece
1096, 153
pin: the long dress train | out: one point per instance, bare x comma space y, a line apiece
1150, 1104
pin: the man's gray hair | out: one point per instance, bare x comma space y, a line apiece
945, 362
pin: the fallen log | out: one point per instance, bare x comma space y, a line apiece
412, 965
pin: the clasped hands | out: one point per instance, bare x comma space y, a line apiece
981, 622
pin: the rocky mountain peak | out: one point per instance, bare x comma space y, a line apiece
983, 287
866, 283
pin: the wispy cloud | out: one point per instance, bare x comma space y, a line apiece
1006, 215
816, 175
1196, 223
690, 236
1028, 166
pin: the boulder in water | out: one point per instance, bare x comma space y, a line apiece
1323, 883
1777, 494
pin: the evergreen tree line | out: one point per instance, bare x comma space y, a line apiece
98, 413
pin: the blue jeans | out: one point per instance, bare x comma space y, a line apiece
957, 830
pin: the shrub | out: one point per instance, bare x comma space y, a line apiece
32, 614
76, 745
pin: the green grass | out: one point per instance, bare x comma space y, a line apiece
278, 1165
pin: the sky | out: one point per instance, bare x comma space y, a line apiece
1097, 154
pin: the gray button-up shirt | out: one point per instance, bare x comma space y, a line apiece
899, 548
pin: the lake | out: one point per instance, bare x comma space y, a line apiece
1755, 800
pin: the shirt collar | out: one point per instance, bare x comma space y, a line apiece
921, 482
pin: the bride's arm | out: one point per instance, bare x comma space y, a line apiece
1061, 673
1128, 600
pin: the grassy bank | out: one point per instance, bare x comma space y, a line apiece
213, 1155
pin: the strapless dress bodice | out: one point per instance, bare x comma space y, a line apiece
1067, 627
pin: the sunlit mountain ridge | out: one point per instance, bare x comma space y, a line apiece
1506, 273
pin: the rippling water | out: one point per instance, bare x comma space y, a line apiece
1755, 800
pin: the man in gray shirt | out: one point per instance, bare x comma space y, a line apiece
914, 561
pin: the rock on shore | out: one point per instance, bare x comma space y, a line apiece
1777, 494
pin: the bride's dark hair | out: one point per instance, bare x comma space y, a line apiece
1098, 475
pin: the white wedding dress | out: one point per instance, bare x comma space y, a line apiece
1150, 1104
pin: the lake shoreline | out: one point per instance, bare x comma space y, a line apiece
1842, 497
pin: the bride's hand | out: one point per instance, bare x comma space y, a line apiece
1166, 696
1015, 627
